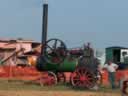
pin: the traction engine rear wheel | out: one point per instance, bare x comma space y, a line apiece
82, 77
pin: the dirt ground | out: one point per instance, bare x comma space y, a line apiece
55, 93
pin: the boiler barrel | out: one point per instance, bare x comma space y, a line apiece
67, 66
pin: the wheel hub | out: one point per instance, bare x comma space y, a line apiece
83, 78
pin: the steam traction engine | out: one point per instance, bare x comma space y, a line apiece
55, 59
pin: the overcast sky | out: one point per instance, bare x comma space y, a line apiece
104, 23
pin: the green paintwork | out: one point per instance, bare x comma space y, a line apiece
68, 65
109, 54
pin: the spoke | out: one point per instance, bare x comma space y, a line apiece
90, 78
88, 84
88, 75
85, 83
55, 44
76, 79
51, 50
81, 72
77, 83
85, 72
61, 44
82, 84
78, 73
50, 47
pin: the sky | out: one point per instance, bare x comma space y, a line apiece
104, 23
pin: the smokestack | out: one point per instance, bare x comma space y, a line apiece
44, 24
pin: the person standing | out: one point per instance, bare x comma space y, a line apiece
111, 68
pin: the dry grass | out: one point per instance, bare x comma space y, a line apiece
26, 88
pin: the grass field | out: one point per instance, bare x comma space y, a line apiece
26, 88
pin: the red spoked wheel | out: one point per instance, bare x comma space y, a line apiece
61, 77
48, 79
84, 78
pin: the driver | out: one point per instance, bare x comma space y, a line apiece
88, 51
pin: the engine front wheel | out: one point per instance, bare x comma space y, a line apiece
48, 79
